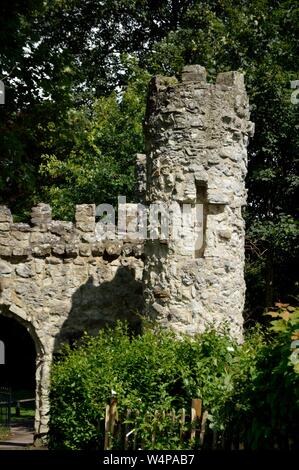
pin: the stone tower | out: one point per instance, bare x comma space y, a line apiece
197, 134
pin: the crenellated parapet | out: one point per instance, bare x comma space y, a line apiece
45, 237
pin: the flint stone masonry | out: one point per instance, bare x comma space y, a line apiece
60, 278
197, 134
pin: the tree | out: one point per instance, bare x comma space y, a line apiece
92, 159
77, 56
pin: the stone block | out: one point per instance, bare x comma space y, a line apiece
97, 249
41, 214
41, 250
24, 270
5, 251
72, 250
5, 215
58, 249
88, 225
231, 79
85, 211
53, 260
20, 235
194, 73
5, 268
21, 227
4, 226
113, 248
84, 249
18, 311
60, 227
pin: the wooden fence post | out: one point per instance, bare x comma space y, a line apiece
136, 427
127, 430
203, 427
195, 417
110, 420
182, 424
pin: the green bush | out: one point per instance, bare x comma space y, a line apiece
263, 408
250, 390
153, 371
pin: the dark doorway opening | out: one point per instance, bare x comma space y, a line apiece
17, 374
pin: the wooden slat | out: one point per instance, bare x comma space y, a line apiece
136, 432
195, 417
182, 424
203, 427
127, 429
111, 417
107, 428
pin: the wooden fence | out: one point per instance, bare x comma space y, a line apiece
191, 425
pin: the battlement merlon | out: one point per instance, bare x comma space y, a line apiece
229, 88
197, 125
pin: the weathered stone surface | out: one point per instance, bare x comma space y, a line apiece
5, 268
24, 270
5, 215
58, 282
85, 217
5, 251
141, 177
194, 73
41, 215
196, 135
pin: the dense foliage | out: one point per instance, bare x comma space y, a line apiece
249, 390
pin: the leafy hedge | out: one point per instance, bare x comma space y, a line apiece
251, 390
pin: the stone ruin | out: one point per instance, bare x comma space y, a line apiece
60, 278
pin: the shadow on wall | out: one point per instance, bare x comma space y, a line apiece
95, 305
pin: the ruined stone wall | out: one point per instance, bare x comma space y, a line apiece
61, 278
197, 135
58, 279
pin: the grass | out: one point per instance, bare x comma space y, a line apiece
4, 432
27, 411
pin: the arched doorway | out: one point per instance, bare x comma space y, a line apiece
27, 366
17, 372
